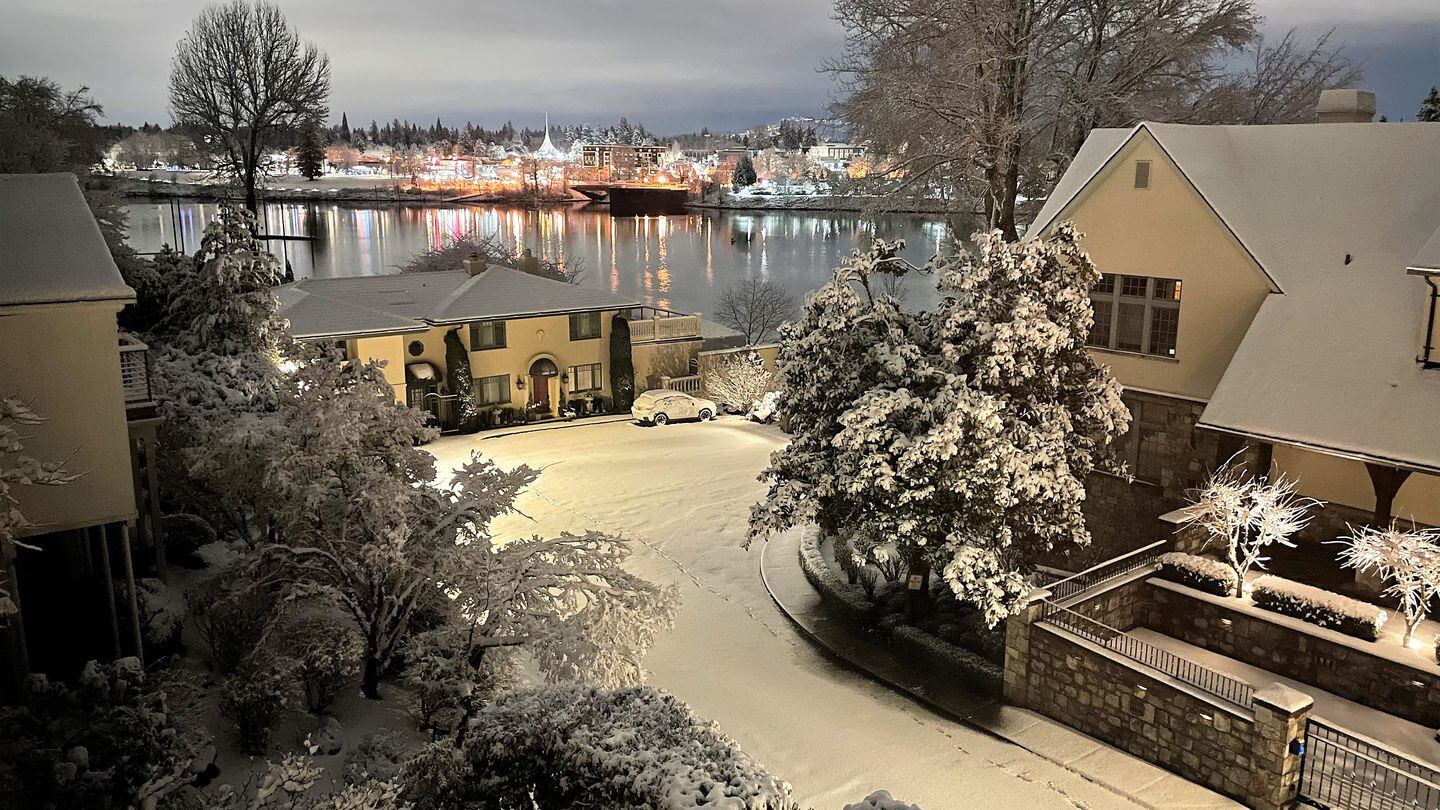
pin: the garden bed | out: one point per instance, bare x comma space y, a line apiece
952, 637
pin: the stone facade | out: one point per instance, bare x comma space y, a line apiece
1342, 667
1239, 753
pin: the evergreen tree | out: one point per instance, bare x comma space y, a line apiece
344, 128
1430, 107
310, 154
374, 132
622, 366
744, 172
462, 384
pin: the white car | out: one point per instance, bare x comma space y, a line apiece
662, 405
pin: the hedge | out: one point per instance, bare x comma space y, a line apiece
1320, 607
911, 642
1200, 573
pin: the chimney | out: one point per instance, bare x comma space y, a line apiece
1346, 106
474, 265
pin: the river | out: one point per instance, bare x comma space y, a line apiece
674, 262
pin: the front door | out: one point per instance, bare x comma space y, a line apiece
540, 393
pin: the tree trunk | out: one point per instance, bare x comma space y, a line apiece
370, 681
917, 588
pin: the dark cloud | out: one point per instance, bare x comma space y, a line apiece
671, 64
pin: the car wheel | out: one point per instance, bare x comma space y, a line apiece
661, 418
705, 415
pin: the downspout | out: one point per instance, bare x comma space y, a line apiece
1425, 360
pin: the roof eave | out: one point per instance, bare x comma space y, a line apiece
1329, 450
531, 314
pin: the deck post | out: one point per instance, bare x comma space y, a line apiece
109, 589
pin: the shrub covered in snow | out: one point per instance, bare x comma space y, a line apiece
881, 800
231, 617
107, 741
765, 409
572, 746
1341, 613
293, 784
253, 700
737, 382
325, 657
162, 613
1200, 573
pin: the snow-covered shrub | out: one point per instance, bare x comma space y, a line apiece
291, 784
109, 740
1200, 573
565, 746
887, 559
881, 800
325, 656
231, 618
17, 470
737, 382
162, 614
766, 408
1408, 561
1245, 515
869, 579
253, 699
446, 684
1320, 607
381, 755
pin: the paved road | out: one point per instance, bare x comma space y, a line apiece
682, 493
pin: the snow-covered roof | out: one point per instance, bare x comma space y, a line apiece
413, 302
1334, 214
51, 250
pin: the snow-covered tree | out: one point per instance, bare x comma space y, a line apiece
1408, 560
738, 382
310, 153
571, 746
1430, 107
1245, 515
963, 436
744, 174
18, 470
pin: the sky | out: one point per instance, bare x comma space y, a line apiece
673, 65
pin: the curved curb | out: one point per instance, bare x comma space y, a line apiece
851, 663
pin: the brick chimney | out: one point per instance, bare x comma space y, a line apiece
1346, 106
474, 265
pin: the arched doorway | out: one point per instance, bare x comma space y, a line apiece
543, 373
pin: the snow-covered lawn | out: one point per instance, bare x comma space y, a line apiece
683, 493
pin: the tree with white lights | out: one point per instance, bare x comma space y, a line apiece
1245, 515
1409, 561
963, 435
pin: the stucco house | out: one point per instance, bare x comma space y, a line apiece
61, 352
1271, 290
534, 344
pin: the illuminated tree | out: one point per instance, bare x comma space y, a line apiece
1410, 561
1245, 515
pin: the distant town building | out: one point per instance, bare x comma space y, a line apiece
621, 156
835, 156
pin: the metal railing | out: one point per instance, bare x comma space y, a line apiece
1345, 771
1064, 589
1231, 690
687, 385
134, 370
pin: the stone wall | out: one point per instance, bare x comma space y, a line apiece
1339, 666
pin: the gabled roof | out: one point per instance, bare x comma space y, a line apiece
1334, 214
51, 250
413, 302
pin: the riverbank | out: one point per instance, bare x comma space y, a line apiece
334, 188
819, 203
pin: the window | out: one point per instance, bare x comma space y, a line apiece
1143, 448
493, 390
487, 335
1142, 174
416, 348
1136, 314
585, 378
584, 325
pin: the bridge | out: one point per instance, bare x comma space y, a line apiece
636, 199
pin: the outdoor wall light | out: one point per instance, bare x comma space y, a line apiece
1418, 684
519, 382
1226, 623
1140, 690
1206, 718
565, 377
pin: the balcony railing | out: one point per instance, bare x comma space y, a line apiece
663, 325
687, 385
134, 370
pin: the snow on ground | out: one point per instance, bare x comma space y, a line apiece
683, 493
1410, 738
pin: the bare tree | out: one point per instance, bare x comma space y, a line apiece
756, 309
453, 250
242, 78
1409, 561
1280, 83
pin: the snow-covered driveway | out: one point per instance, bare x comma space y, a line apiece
683, 493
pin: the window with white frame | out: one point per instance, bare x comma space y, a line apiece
494, 390
487, 335
1136, 314
584, 325
585, 378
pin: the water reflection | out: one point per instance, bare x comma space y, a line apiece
679, 262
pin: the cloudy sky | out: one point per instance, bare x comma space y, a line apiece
675, 65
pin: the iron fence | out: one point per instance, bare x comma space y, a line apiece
1340, 770
1064, 589
1224, 687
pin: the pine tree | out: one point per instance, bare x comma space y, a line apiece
1430, 107
344, 128
622, 366
310, 154
744, 172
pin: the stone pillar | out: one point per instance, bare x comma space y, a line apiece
1017, 647
1280, 715
1175, 529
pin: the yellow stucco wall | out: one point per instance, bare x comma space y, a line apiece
526, 340
1345, 481
64, 360
1168, 231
